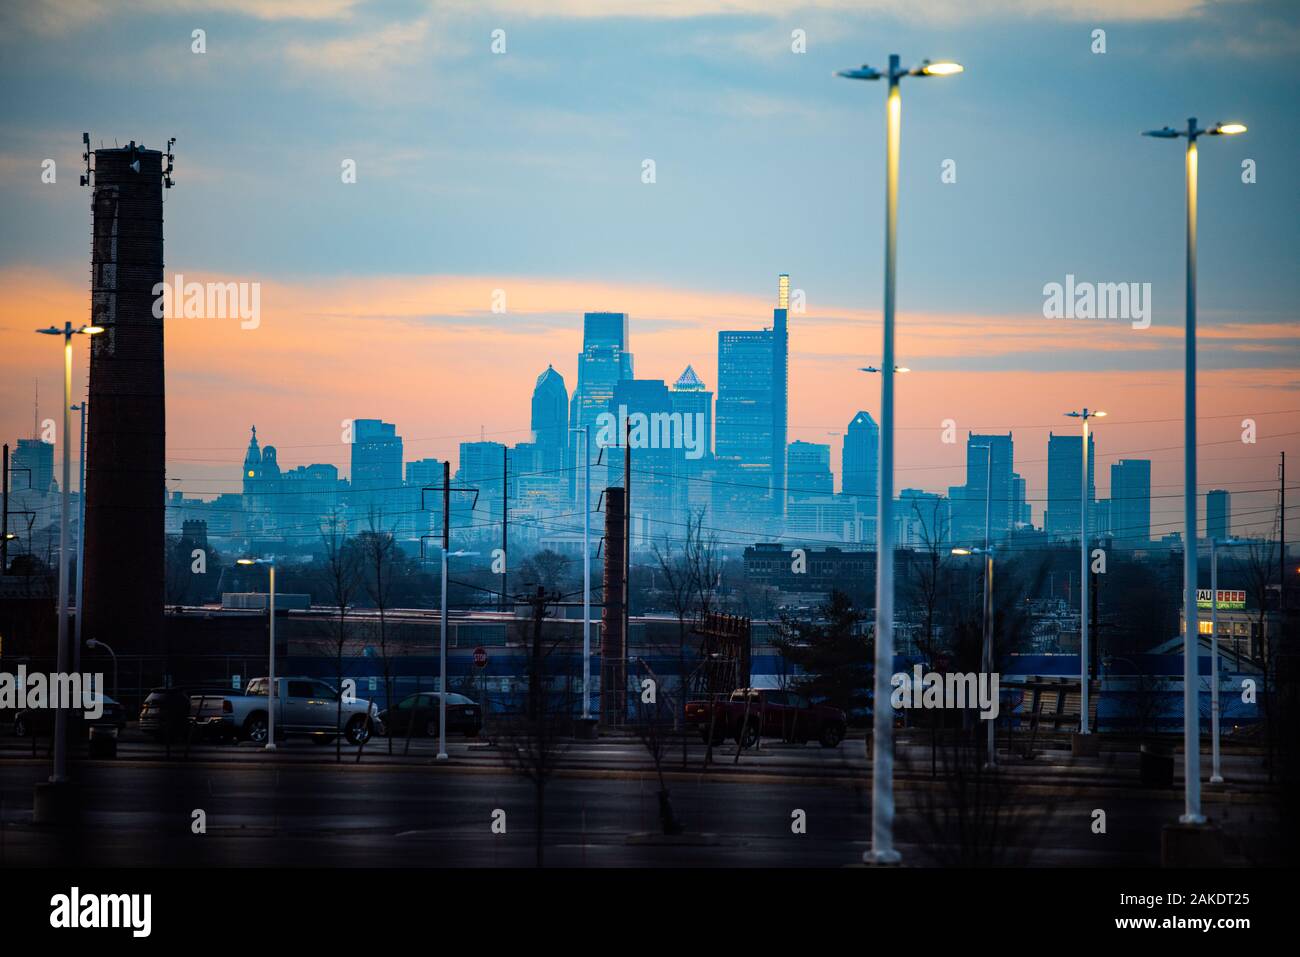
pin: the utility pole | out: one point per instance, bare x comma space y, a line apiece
1281, 543
446, 490
81, 546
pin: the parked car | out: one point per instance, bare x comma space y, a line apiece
165, 713
417, 714
303, 706
40, 721
751, 713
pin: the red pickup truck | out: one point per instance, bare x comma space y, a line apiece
768, 713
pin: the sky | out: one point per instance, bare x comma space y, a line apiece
522, 171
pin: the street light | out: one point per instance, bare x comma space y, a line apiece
1191, 713
882, 776
1216, 775
987, 654
272, 692
585, 432
442, 648
60, 772
81, 539
1084, 416
92, 643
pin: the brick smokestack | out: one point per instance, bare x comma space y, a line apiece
613, 638
125, 430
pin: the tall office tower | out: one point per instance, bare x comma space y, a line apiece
31, 468
481, 467
1001, 502
421, 512
126, 429
307, 496
376, 469
691, 399
1130, 502
658, 498
752, 409
550, 420
605, 360
860, 463
1020, 514
1064, 453
808, 465
1218, 514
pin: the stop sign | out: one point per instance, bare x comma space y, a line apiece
480, 657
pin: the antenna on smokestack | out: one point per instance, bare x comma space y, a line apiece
85, 177
171, 162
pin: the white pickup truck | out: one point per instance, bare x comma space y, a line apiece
303, 706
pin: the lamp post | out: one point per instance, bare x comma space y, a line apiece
272, 692
986, 657
81, 544
60, 771
585, 432
92, 643
882, 775
1216, 774
1191, 713
1085, 487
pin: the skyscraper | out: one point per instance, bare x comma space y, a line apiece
1218, 513
658, 457
550, 420
752, 408
1130, 502
376, 466
604, 362
1064, 454
808, 466
860, 463
31, 469
1001, 496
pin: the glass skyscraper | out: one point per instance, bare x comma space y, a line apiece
1130, 502
753, 408
1064, 454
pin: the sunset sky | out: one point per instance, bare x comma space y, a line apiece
522, 172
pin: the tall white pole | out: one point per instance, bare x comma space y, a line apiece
1083, 589
1191, 638
1216, 776
81, 546
272, 693
586, 577
988, 596
60, 773
882, 770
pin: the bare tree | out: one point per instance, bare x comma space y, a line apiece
343, 575
378, 548
533, 743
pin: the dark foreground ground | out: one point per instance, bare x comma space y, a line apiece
298, 808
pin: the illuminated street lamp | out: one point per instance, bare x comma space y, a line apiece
1084, 416
1191, 712
882, 773
60, 771
272, 692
